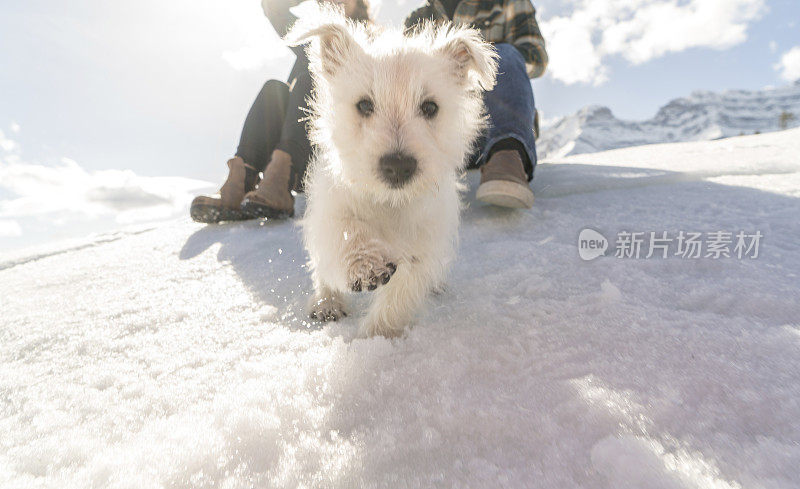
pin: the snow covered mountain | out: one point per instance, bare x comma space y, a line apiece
181, 356
700, 116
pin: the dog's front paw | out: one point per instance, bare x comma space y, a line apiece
371, 278
368, 267
326, 309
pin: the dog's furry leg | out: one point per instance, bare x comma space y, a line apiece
344, 256
326, 304
368, 264
395, 304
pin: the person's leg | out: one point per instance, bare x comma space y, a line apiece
260, 135
511, 108
294, 133
508, 148
288, 161
262, 126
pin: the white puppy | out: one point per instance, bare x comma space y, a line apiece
393, 118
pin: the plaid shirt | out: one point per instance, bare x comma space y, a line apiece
509, 21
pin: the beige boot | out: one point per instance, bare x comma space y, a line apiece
272, 199
225, 206
504, 182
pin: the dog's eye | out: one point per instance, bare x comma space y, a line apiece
365, 107
429, 109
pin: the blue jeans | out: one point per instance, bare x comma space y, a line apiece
511, 108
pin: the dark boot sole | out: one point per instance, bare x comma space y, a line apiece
260, 211
209, 214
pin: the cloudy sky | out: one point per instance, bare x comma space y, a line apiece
101, 101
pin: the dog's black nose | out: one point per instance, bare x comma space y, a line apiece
397, 168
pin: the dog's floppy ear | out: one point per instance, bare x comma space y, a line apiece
333, 43
475, 59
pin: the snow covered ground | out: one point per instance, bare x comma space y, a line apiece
180, 356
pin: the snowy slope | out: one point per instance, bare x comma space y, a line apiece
701, 116
180, 356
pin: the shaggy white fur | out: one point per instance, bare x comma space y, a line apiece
385, 103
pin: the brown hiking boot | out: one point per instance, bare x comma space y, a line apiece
504, 182
225, 206
272, 199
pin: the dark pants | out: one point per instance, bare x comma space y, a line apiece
277, 121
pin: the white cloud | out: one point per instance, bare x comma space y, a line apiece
259, 44
581, 35
14, 127
8, 145
9, 229
253, 55
65, 200
789, 65
581, 40
571, 48
69, 190
393, 13
773, 46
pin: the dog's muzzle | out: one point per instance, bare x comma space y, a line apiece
396, 169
